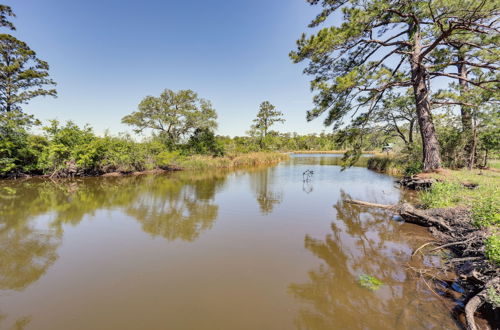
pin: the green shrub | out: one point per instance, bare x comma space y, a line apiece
486, 211
166, 158
442, 194
413, 169
492, 248
493, 297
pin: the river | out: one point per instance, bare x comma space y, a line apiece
248, 249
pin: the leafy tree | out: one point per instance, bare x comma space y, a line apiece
383, 45
15, 151
23, 75
266, 117
174, 115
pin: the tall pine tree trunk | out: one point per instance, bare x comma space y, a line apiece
430, 144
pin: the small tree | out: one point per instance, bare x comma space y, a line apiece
23, 76
266, 117
174, 115
203, 141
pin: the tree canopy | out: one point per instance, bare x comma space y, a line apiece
23, 75
173, 115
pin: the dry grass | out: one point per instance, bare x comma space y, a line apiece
199, 162
336, 152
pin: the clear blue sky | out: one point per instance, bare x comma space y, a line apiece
107, 55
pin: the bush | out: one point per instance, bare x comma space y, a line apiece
413, 169
166, 158
203, 142
492, 248
442, 194
486, 211
386, 164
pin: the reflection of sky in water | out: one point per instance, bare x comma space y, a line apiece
248, 249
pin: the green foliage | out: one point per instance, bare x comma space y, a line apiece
493, 297
486, 211
16, 149
492, 248
173, 115
395, 164
24, 76
166, 158
370, 282
442, 194
413, 169
203, 142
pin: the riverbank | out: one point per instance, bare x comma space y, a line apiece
462, 211
175, 162
473, 198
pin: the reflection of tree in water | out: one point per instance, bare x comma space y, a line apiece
262, 182
174, 210
26, 252
25, 255
177, 207
362, 242
173, 206
19, 324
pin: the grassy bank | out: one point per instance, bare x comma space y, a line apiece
478, 191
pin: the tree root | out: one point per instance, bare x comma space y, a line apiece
452, 244
477, 301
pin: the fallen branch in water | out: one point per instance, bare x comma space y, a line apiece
421, 247
408, 213
381, 206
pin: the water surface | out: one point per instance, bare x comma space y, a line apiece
248, 249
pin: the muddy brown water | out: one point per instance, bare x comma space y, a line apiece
248, 249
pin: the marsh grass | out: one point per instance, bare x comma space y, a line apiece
390, 164
199, 162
